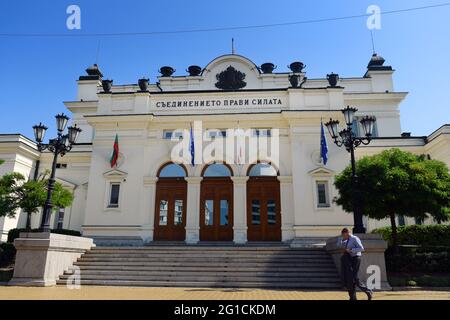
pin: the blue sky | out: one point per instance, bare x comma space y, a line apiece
38, 73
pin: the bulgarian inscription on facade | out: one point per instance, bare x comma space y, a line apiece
219, 103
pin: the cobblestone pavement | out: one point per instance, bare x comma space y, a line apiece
106, 293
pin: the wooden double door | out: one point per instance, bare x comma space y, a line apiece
263, 209
170, 209
216, 209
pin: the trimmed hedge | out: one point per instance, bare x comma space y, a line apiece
7, 254
421, 235
420, 281
418, 259
14, 233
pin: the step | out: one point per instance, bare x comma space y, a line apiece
207, 266
204, 259
262, 273
206, 249
207, 278
206, 256
200, 284
209, 253
202, 264
221, 268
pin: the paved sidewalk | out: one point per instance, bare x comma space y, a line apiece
141, 293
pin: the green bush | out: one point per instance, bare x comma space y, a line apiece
14, 233
411, 283
418, 259
422, 235
420, 281
7, 254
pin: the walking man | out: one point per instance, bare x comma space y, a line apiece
350, 262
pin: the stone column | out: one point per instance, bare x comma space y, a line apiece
193, 209
240, 209
148, 208
287, 208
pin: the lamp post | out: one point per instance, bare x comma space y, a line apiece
58, 146
347, 138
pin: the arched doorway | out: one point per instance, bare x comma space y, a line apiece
263, 203
170, 204
216, 203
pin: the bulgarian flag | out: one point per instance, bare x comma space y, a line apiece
115, 153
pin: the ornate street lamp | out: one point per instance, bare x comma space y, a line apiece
58, 146
347, 138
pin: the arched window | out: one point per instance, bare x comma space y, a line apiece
217, 170
172, 170
262, 170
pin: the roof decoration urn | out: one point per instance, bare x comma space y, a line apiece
107, 85
194, 70
143, 84
166, 71
268, 67
297, 66
333, 79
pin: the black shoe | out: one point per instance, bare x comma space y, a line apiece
369, 294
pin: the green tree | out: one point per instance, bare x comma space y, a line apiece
394, 183
9, 202
29, 196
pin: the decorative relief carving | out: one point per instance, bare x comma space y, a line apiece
230, 79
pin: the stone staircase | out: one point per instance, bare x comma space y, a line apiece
206, 266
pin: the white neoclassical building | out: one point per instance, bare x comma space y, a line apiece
150, 195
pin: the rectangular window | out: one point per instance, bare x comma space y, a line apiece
209, 212
61, 166
323, 200
261, 132
217, 133
114, 195
60, 219
401, 220
178, 216
355, 127
256, 212
163, 210
169, 134
223, 212
358, 130
271, 212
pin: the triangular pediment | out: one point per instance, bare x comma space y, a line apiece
115, 173
321, 171
66, 184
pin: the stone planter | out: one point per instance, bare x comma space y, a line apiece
372, 260
42, 257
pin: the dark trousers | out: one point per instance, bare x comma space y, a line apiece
350, 268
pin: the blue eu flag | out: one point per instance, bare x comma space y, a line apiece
323, 145
192, 147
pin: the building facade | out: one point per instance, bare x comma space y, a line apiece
156, 193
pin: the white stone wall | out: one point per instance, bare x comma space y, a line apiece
139, 119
